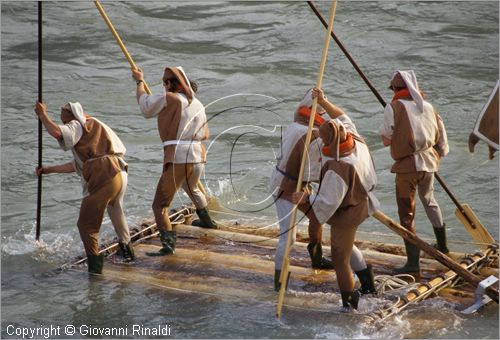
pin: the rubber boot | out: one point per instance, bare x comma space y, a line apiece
441, 240
204, 220
126, 251
95, 263
317, 259
412, 263
277, 285
367, 281
350, 299
168, 239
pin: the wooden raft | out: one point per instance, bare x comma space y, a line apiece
237, 261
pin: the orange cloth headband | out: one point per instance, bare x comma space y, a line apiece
344, 147
305, 112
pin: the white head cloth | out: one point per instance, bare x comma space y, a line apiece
185, 77
77, 110
340, 127
307, 101
330, 133
410, 80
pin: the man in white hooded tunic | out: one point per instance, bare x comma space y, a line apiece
417, 138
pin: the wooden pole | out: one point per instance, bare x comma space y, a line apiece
108, 22
478, 232
440, 257
40, 131
347, 54
291, 229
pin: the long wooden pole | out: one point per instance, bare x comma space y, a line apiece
347, 54
291, 229
108, 22
40, 131
469, 221
440, 257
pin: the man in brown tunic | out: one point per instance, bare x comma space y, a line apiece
98, 159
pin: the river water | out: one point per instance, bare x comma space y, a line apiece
253, 61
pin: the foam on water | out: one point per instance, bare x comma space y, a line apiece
52, 247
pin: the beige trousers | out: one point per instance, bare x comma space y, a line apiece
109, 197
406, 187
173, 177
342, 242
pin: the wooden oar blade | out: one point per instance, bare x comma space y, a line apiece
475, 229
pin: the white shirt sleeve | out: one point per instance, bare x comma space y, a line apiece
151, 105
348, 124
331, 192
71, 134
373, 204
442, 145
313, 165
387, 127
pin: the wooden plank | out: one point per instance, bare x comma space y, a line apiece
222, 274
385, 261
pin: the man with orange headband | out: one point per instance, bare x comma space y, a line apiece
182, 126
417, 137
284, 182
344, 199
98, 159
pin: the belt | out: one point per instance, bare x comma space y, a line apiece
101, 157
181, 142
121, 161
286, 174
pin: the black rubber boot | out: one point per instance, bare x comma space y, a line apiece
367, 281
277, 285
204, 220
350, 299
317, 259
412, 263
441, 239
95, 263
168, 239
126, 251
